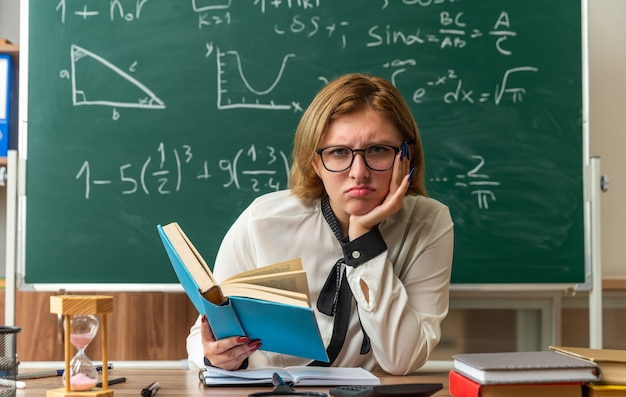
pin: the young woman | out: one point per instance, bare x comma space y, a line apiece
377, 250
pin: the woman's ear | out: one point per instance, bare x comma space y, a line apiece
316, 167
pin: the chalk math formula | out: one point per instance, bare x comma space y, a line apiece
169, 170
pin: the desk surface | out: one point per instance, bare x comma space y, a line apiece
185, 383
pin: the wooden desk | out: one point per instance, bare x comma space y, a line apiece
186, 383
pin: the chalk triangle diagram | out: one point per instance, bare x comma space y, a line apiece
96, 81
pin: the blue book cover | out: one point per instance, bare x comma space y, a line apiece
281, 328
5, 102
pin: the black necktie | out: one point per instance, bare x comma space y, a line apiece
336, 297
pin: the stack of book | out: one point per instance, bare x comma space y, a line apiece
521, 374
612, 365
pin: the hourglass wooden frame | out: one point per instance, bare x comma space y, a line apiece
70, 305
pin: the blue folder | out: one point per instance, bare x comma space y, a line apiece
5, 102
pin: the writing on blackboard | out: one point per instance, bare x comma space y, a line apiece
272, 159
422, 3
200, 5
312, 26
453, 32
300, 4
479, 183
476, 181
165, 173
250, 168
493, 84
116, 10
234, 89
86, 63
452, 89
229, 72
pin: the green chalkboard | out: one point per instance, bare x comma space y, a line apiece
141, 113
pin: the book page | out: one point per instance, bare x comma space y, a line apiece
596, 355
199, 257
264, 293
295, 281
269, 290
299, 373
302, 375
189, 256
280, 267
259, 374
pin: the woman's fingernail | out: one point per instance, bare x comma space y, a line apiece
255, 344
204, 318
411, 174
242, 339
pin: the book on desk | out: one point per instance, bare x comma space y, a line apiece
525, 367
518, 374
462, 386
596, 390
297, 375
612, 362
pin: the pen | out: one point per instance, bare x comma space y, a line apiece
51, 373
113, 381
150, 390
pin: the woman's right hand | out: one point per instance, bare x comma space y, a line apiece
228, 353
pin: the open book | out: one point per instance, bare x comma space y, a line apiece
270, 303
303, 376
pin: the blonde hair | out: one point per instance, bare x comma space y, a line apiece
346, 95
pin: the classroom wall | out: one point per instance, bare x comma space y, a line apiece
607, 61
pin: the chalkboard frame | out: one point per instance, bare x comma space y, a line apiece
97, 286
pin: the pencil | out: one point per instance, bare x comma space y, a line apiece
51, 373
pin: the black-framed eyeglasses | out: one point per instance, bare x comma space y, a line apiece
340, 158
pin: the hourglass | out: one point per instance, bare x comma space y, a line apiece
81, 325
83, 374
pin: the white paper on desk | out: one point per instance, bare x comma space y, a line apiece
298, 375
